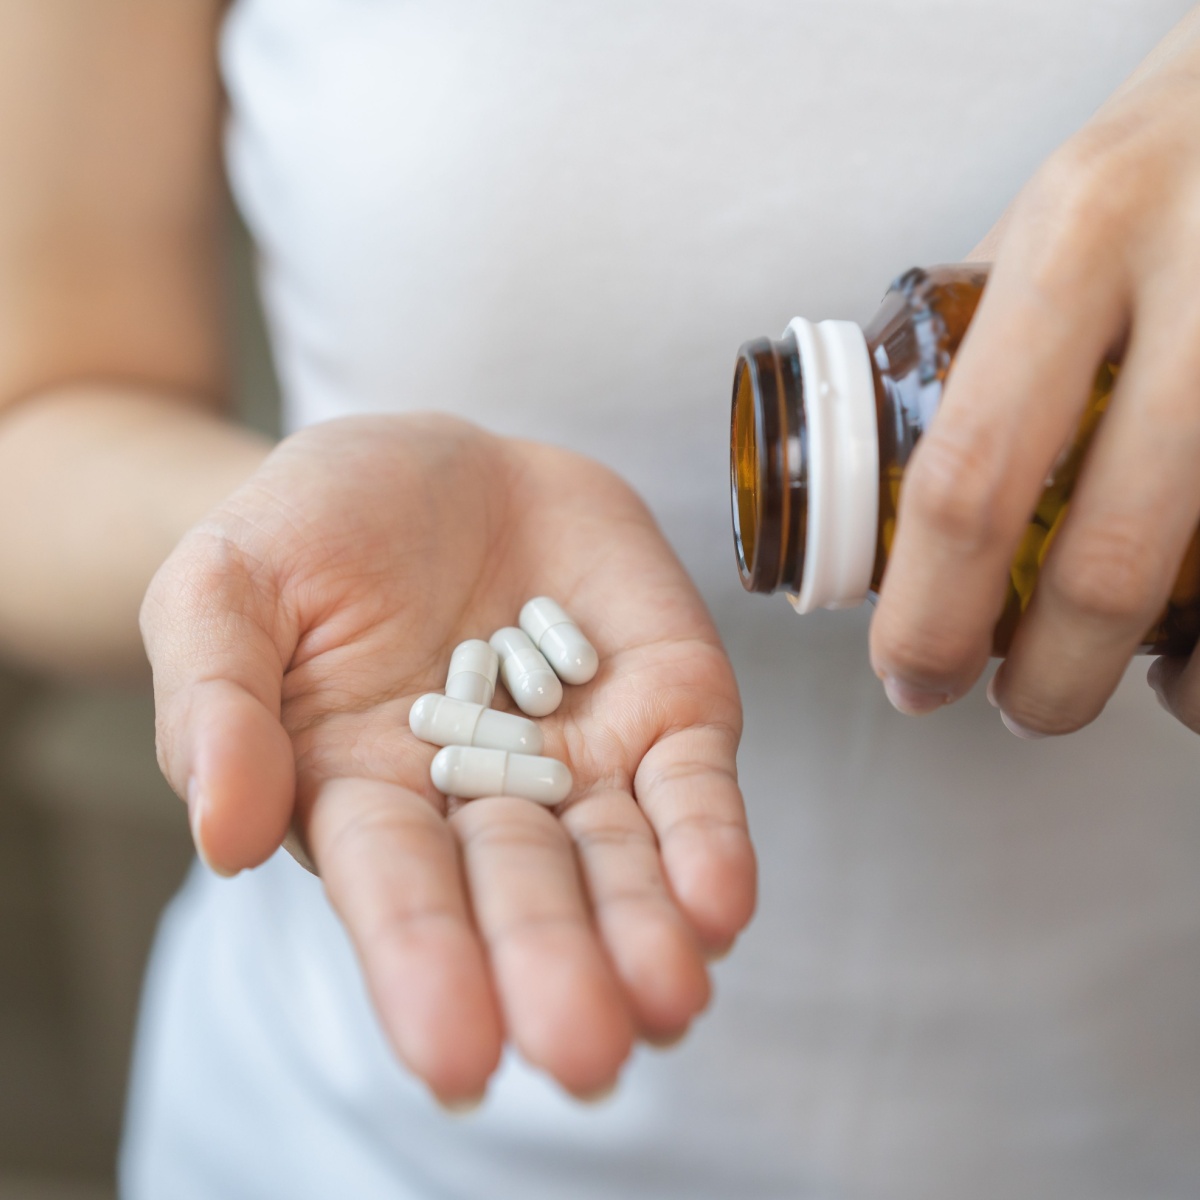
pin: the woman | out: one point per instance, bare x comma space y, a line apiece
974, 967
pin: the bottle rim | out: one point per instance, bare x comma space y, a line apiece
763, 421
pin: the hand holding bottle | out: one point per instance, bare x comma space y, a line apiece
1099, 256
291, 631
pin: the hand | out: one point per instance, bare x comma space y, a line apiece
289, 634
1100, 254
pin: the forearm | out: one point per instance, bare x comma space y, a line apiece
97, 484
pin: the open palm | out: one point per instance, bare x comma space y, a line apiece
290, 633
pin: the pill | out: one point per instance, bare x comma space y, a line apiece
472, 674
559, 639
445, 721
469, 772
526, 674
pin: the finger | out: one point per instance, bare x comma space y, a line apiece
239, 768
1053, 306
987, 249
563, 1005
687, 786
1176, 682
211, 637
1136, 505
654, 950
391, 869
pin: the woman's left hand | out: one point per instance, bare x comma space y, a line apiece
290, 633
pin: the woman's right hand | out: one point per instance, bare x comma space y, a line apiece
290, 632
1100, 253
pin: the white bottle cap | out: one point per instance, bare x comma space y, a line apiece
843, 464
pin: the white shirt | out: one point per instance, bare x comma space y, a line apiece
976, 966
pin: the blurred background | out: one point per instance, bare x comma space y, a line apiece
92, 845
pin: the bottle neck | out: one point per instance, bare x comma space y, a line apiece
805, 465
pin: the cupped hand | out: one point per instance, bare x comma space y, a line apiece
290, 633
1100, 255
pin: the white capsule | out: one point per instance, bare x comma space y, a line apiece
469, 773
560, 640
472, 674
445, 721
526, 674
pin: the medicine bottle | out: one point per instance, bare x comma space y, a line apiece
825, 420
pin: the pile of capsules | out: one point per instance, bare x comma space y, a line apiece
491, 753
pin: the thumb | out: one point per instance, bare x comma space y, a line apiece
217, 642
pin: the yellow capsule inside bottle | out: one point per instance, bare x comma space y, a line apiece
824, 422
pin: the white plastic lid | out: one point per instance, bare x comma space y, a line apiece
843, 464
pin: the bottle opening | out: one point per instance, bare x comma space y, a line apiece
766, 467
745, 471
804, 464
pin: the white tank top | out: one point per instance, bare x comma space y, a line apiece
976, 966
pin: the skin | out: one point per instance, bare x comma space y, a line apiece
113, 365
1099, 253
291, 629
313, 591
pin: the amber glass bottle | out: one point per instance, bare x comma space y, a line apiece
824, 422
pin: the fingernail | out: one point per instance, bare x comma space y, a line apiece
991, 693
1154, 680
913, 701
599, 1095
461, 1106
1029, 735
1160, 673
665, 1041
295, 847
195, 806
